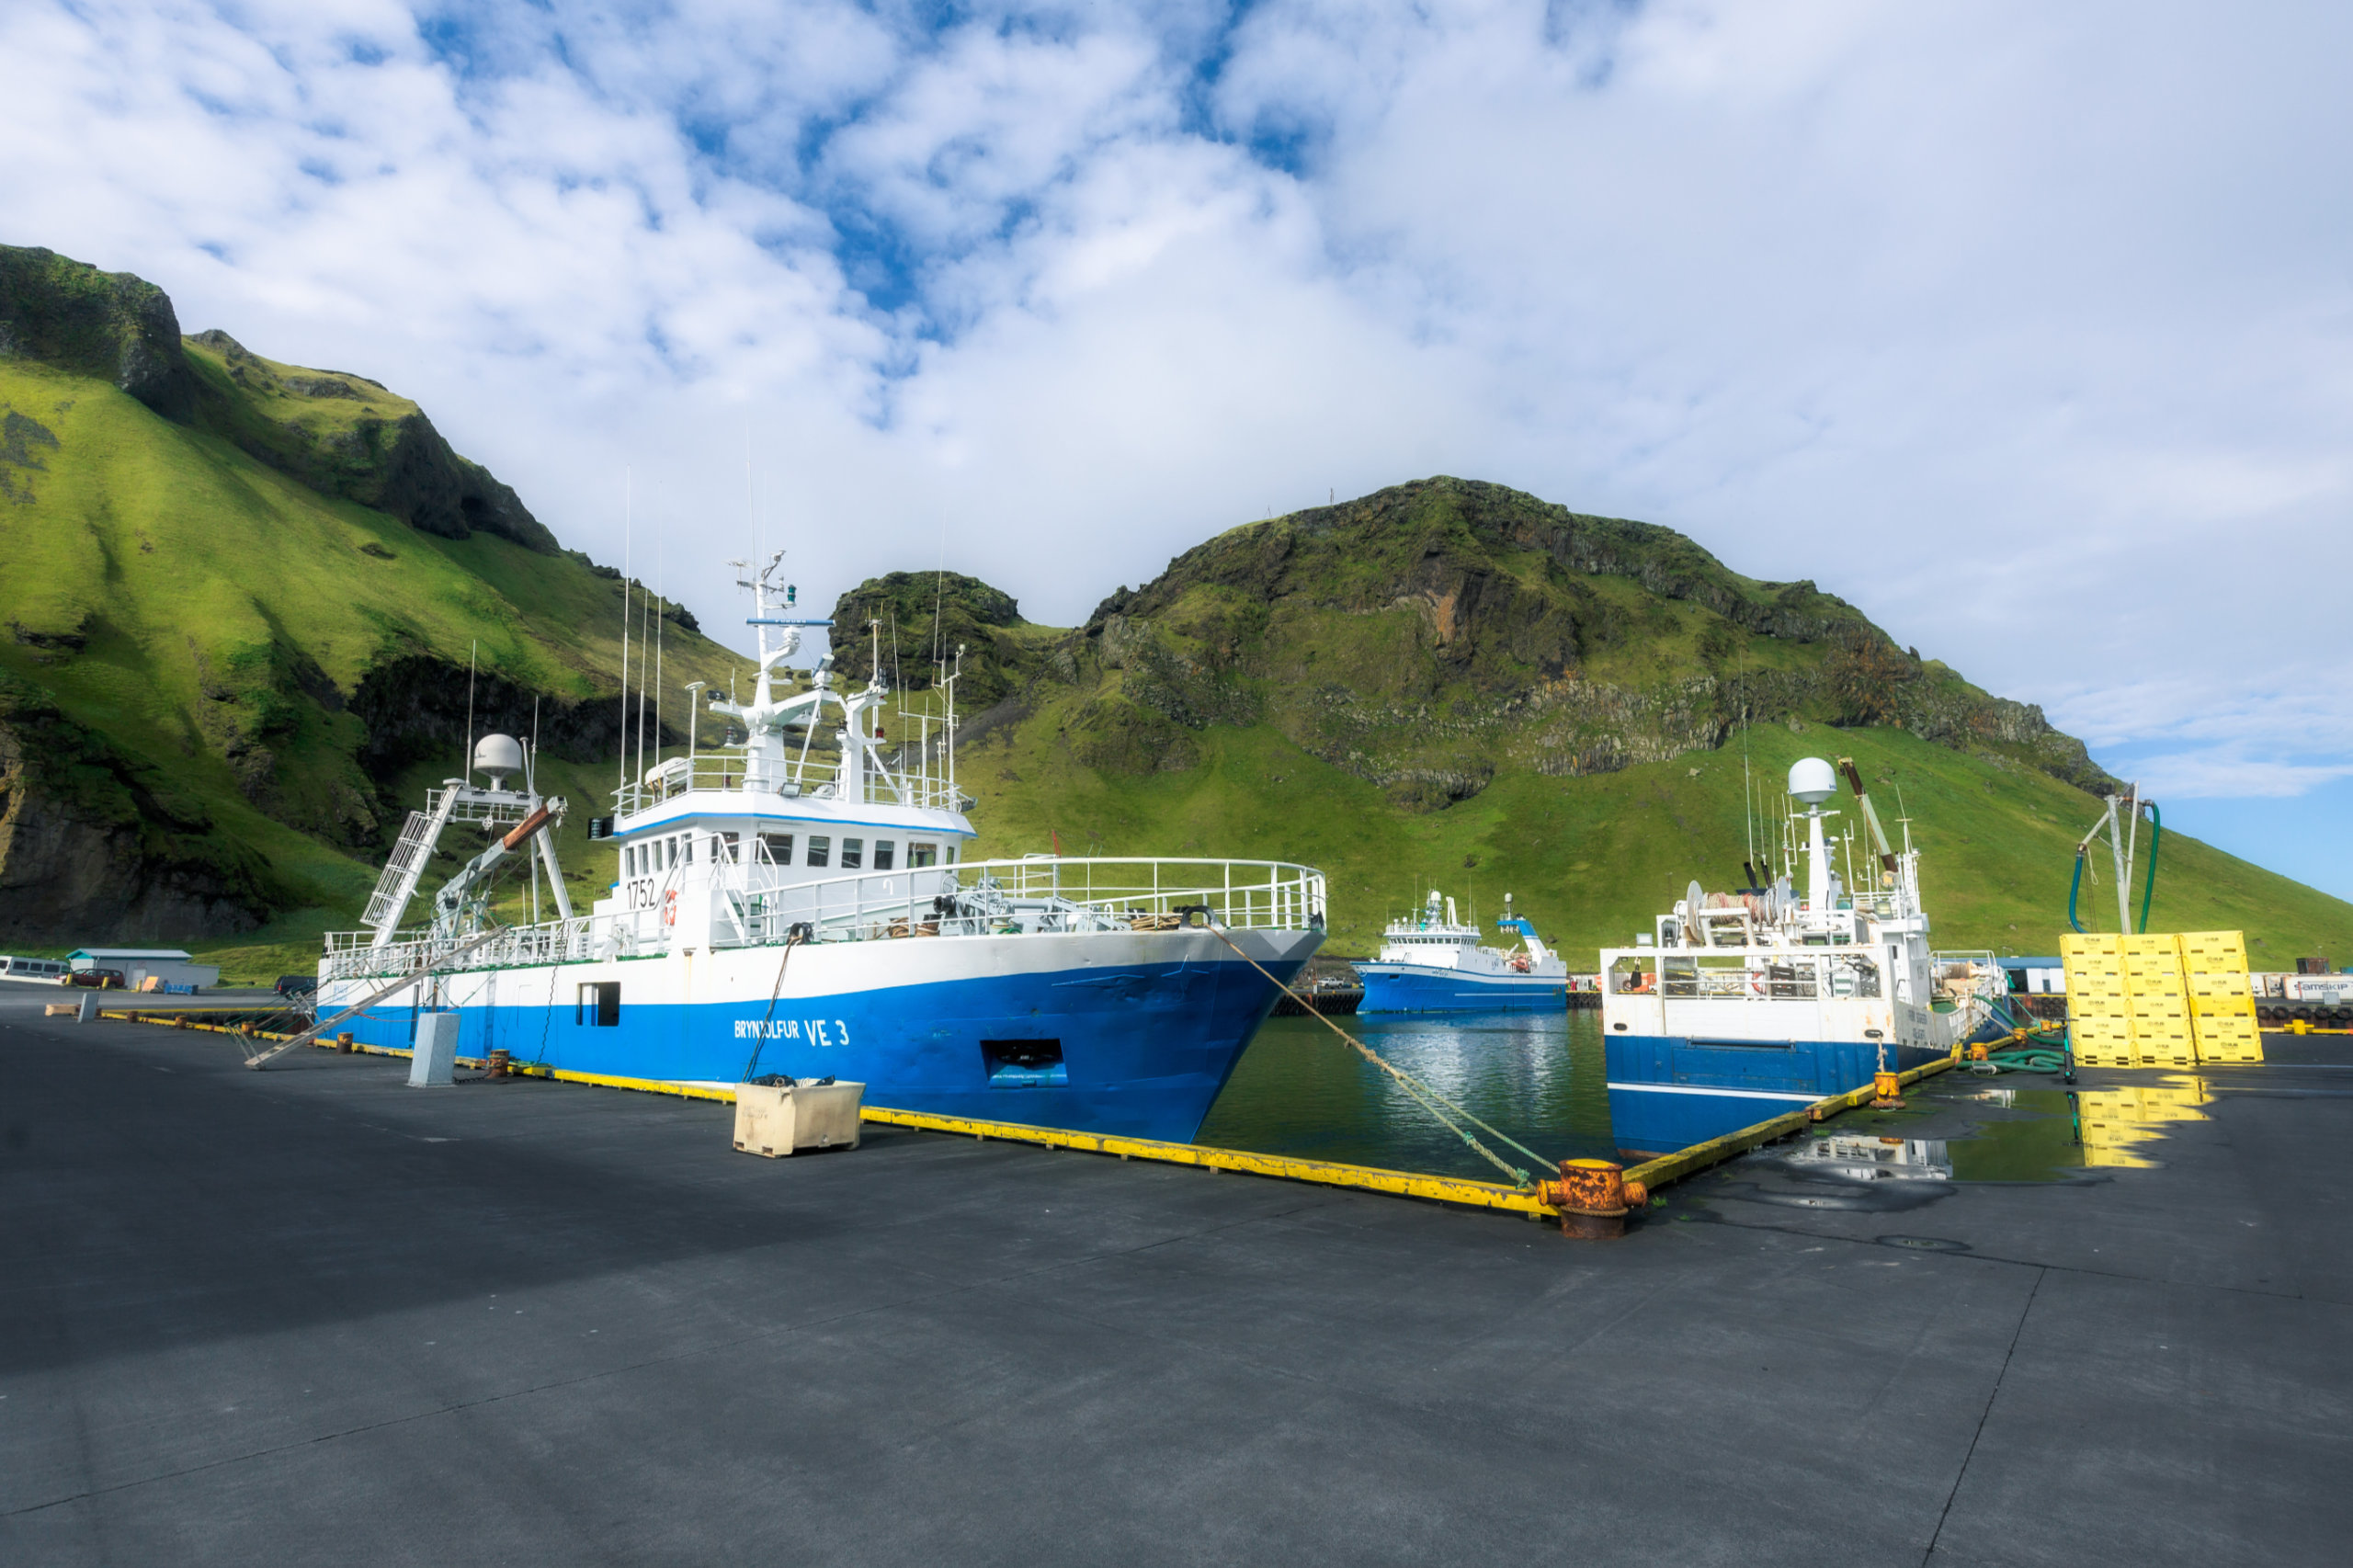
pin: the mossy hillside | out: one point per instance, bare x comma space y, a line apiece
919, 620
1430, 634
1451, 682
213, 617
350, 438
1592, 860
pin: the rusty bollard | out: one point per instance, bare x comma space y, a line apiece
1593, 1196
1887, 1093
179, 1020
498, 1061
342, 1044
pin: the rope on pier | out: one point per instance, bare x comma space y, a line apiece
1428, 1099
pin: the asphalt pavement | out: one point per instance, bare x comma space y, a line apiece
312, 1315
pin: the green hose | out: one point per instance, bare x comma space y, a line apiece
2029, 1058
2149, 887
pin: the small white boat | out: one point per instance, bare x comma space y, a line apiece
1433, 962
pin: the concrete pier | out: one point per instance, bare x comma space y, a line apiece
307, 1315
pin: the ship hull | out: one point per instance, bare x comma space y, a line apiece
1668, 1093
1420, 988
1106, 1033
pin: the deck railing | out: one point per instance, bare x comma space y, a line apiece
819, 780
1037, 895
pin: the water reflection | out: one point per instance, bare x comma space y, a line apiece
1300, 1090
1861, 1157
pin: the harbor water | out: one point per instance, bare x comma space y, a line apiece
1300, 1090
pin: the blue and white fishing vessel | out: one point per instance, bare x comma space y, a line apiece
1739, 1008
1433, 962
781, 909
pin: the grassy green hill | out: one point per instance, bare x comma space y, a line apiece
240, 598
1452, 684
241, 602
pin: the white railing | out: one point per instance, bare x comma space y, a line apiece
819, 779
1036, 896
351, 955
1039, 894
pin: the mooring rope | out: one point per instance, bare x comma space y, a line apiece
791, 940
1428, 1099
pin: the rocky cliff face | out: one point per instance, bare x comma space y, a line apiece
167, 607
417, 707
344, 435
918, 617
109, 325
94, 843
385, 454
1429, 635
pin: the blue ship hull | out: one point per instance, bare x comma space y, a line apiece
1143, 1048
1667, 1094
1416, 988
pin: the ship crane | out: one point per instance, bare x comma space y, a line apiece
2120, 818
462, 799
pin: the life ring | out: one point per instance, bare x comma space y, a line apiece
670, 908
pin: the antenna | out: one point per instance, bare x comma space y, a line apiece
659, 556
1747, 796
643, 608
472, 650
629, 512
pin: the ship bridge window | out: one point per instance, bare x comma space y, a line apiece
951, 854
686, 849
885, 854
599, 1005
723, 847
853, 853
821, 849
777, 847
922, 855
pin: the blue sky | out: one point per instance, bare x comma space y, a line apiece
2025, 328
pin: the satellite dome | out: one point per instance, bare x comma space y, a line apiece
498, 756
1812, 781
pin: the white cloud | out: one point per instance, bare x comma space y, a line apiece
2025, 328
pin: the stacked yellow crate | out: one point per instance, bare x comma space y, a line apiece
2222, 1002
2158, 997
2100, 1014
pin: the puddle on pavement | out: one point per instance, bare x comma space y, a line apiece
1878, 1161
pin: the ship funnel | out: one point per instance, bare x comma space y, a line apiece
498, 756
1812, 780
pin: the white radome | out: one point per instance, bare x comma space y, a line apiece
1812, 780
498, 756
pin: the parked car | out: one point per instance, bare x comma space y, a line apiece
97, 979
293, 985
